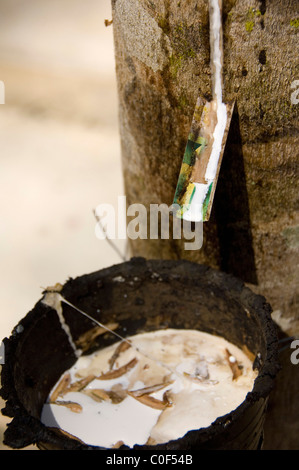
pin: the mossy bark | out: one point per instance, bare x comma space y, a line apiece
162, 66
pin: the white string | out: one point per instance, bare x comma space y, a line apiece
62, 299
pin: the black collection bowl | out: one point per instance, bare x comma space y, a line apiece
140, 296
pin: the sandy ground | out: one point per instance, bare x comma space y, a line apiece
60, 152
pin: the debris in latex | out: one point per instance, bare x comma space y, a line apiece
151, 389
111, 396
143, 396
80, 384
151, 401
75, 407
167, 397
123, 346
61, 388
118, 445
151, 442
233, 363
115, 373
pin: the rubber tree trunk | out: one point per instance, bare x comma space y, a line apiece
162, 66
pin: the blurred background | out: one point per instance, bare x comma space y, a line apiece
60, 150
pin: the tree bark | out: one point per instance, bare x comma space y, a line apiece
162, 66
